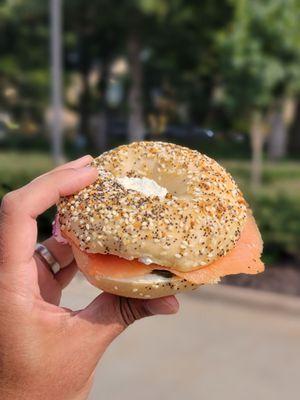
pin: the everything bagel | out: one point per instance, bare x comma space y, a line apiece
157, 205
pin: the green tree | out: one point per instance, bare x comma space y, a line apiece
24, 75
93, 36
260, 58
100, 31
184, 54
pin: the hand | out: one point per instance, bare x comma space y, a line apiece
46, 351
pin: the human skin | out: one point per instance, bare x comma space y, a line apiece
48, 351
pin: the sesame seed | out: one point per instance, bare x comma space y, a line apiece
200, 220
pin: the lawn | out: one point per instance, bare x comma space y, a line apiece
276, 205
277, 177
17, 168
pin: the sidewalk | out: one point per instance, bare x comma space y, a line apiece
226, 343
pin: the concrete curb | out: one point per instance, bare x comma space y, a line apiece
244, 297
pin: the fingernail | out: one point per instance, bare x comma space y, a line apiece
87, 168
164, 305
88, 158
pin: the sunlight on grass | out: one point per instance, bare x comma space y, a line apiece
32, 162
17, 169
278, 178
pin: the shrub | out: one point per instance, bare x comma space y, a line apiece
278, 217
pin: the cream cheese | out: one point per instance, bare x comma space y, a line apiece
145, 186
146, 260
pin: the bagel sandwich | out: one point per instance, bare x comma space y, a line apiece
160, 219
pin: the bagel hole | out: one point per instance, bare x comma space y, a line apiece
175, 185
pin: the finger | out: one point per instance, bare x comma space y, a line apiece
64, 256
45, 191
47, 281
108, 315
80, 162
65, 276
20, 208
61, 252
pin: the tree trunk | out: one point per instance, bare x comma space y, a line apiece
99, 121
84, 106
56, 82
294, 144
136, 127
99, 131
85, 96
257, 142
277, 141
280, 121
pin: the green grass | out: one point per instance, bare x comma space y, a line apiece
31, 162
277, 178
17, 169
21, 167
276, 205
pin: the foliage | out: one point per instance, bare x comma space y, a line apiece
212, 61
24, 71
278, 218
276, 206
184, 63
260, 53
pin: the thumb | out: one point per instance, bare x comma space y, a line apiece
108, 315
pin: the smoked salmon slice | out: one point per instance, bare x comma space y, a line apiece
243, 258
107, 265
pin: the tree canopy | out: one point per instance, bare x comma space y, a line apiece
215, 62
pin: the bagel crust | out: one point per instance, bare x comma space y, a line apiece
149, 286
198, 221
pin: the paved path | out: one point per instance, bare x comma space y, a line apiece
226, 343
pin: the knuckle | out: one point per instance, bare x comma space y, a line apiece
131, 310
89, 157
10, 202
64, 175
62, 172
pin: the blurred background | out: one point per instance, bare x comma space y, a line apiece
219, 76
222, 77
